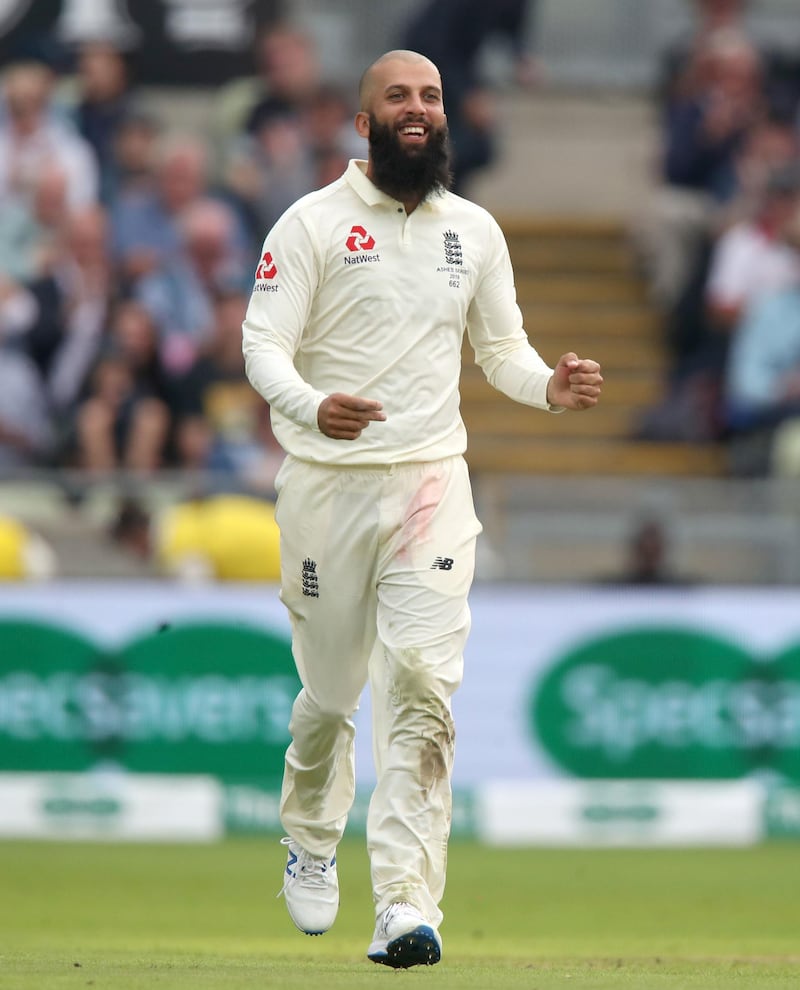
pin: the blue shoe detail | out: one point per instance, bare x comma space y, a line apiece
311, 889
419, 947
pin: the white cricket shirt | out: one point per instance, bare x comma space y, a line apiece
353, 295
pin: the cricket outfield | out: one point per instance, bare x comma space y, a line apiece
119, 916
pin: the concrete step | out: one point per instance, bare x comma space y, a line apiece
576, 258
559, 226
490, 454
613, 354
579, 289
631, 354
634, 388
582, 289
571, 254
542, 319
507, 418
572, 154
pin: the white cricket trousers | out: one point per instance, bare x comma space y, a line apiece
376, 566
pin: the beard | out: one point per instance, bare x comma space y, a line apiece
401, 172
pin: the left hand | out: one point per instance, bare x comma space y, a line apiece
575, 383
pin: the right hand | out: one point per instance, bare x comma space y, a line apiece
343, 417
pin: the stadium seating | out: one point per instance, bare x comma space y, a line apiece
579, 290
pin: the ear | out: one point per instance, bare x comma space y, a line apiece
362, 124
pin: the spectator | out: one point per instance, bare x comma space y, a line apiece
180, 295
130, 529
270, 168
85, 286
682, 62
102, 104
31, 230
648, 556
32, 138
749, 258
752, 256
68, 273
707, 127
772, 145
705, 130
146, 221
328, 127
26, 433
125, 419
132, 336
223, 425
453, 33
226, 537
762, 386
133, 167
290, 150
763, 381
712, 17
289, 74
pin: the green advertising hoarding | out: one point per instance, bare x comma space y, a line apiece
669, 703
191, 698
643, 718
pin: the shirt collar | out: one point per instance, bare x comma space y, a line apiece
356, 177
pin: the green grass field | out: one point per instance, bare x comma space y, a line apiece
175, 917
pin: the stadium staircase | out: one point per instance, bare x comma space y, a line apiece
579, 290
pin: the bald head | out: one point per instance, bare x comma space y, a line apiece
377, 75
402, 117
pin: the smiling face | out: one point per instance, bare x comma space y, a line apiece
402, 116
402, 90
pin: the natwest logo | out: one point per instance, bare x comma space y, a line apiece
359, 240
266, 267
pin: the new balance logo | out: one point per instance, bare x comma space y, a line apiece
310, 581
291, 865
442, 564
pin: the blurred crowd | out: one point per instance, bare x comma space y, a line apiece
127, 249
720, 243
127, 246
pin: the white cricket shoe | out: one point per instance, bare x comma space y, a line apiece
404, 938
311, 889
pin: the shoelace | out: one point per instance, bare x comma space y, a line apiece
390, 912
311, 871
